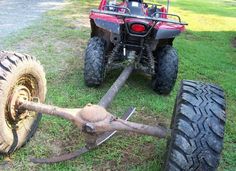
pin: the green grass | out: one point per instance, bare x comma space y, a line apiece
59, 39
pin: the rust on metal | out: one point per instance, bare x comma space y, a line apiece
93, 113
118, 84
69, 114
94, 120
25, 88
69, 156
107, 122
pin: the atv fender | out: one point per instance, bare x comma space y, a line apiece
107, 25
168, 31
167, 34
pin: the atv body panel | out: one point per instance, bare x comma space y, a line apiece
114, 24
142, 29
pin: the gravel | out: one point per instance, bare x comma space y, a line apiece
18, 14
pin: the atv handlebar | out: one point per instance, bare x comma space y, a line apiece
125, 15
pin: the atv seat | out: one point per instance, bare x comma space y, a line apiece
153, 10
135, 7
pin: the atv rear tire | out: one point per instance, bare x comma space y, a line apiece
166, 69
197, 128
95, 62
20, 76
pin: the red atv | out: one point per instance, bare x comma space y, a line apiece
131, 30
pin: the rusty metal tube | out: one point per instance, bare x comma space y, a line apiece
112, 92
110, 123
69, 114
122, 125
156, 131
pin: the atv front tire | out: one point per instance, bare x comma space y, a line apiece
197, 128
95, 62
20, 76
166, 70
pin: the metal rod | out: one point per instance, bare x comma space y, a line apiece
112, 92
168, 6
122, 125
138, 17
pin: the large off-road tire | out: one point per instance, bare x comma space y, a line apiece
166, 69
95, 62
21, 76
197, 128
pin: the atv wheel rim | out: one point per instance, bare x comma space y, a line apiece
26, 88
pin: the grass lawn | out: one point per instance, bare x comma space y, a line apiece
206, 51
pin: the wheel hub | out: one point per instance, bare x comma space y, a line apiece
20, 92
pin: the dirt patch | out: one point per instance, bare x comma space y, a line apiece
145, 154
74, 140
145, 117
24, 45
82, 21
230, 2
234, 42
190, 36
134, 154
6, 164
137, 151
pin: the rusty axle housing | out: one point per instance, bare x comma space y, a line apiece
95, 119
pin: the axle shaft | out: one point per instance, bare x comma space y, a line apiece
69, 114
118, 84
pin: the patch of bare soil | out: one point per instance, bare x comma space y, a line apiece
6, 164
234, 42
129, 158
150, 118
75, 139
230, 2
24, 45
190, 36
134, 154
137, 152
146, 153
82, 21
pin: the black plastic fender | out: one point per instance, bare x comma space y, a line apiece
167, 34
107, 25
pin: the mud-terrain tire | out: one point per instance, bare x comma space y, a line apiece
197, 126
95, 62
166, 70
20, 74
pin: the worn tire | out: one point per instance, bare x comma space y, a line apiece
19, 74
166, 69
95, 62
197, 128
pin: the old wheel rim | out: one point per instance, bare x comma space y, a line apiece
25, 88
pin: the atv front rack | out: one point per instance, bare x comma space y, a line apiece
154, 19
